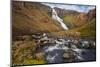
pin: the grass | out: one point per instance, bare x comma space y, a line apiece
34, 61
22, 51
75, 20
88, 30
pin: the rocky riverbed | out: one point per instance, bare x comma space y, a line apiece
60, 50
53, 49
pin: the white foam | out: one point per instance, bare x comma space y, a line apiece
55, 47
79, 57
51, 58
57, 18
51, 48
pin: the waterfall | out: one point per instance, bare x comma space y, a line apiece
57, 18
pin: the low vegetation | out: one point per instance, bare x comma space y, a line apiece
88, 30
23, 53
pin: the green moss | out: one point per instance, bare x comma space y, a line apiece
23, 51
68, 20
34, 61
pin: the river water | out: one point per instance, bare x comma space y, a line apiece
54, 53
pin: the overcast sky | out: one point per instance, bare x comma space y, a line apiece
79, 8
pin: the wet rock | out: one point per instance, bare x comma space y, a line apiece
92, 44
85, 44
39, 55
36, 37
59, 42
69, 56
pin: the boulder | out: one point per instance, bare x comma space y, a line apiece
69, 56
85, 44
39, 55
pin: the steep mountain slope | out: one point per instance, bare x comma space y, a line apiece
29, 18
63, 12
91, 14
72, 18
80, 19
76, 20
89, 29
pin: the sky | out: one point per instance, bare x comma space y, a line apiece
79, 8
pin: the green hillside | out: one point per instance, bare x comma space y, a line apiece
88, 30
74, 21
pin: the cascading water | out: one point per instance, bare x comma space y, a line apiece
57, 18
54, 52
58, 50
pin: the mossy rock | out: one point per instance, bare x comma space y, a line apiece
33, 61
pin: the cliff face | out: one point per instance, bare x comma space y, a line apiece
92, 14
29, 18
62, 12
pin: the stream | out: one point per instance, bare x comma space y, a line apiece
61, 50
54, 54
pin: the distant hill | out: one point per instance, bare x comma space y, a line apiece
72, 18
76, 20
63, 12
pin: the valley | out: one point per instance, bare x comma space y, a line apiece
42, 34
